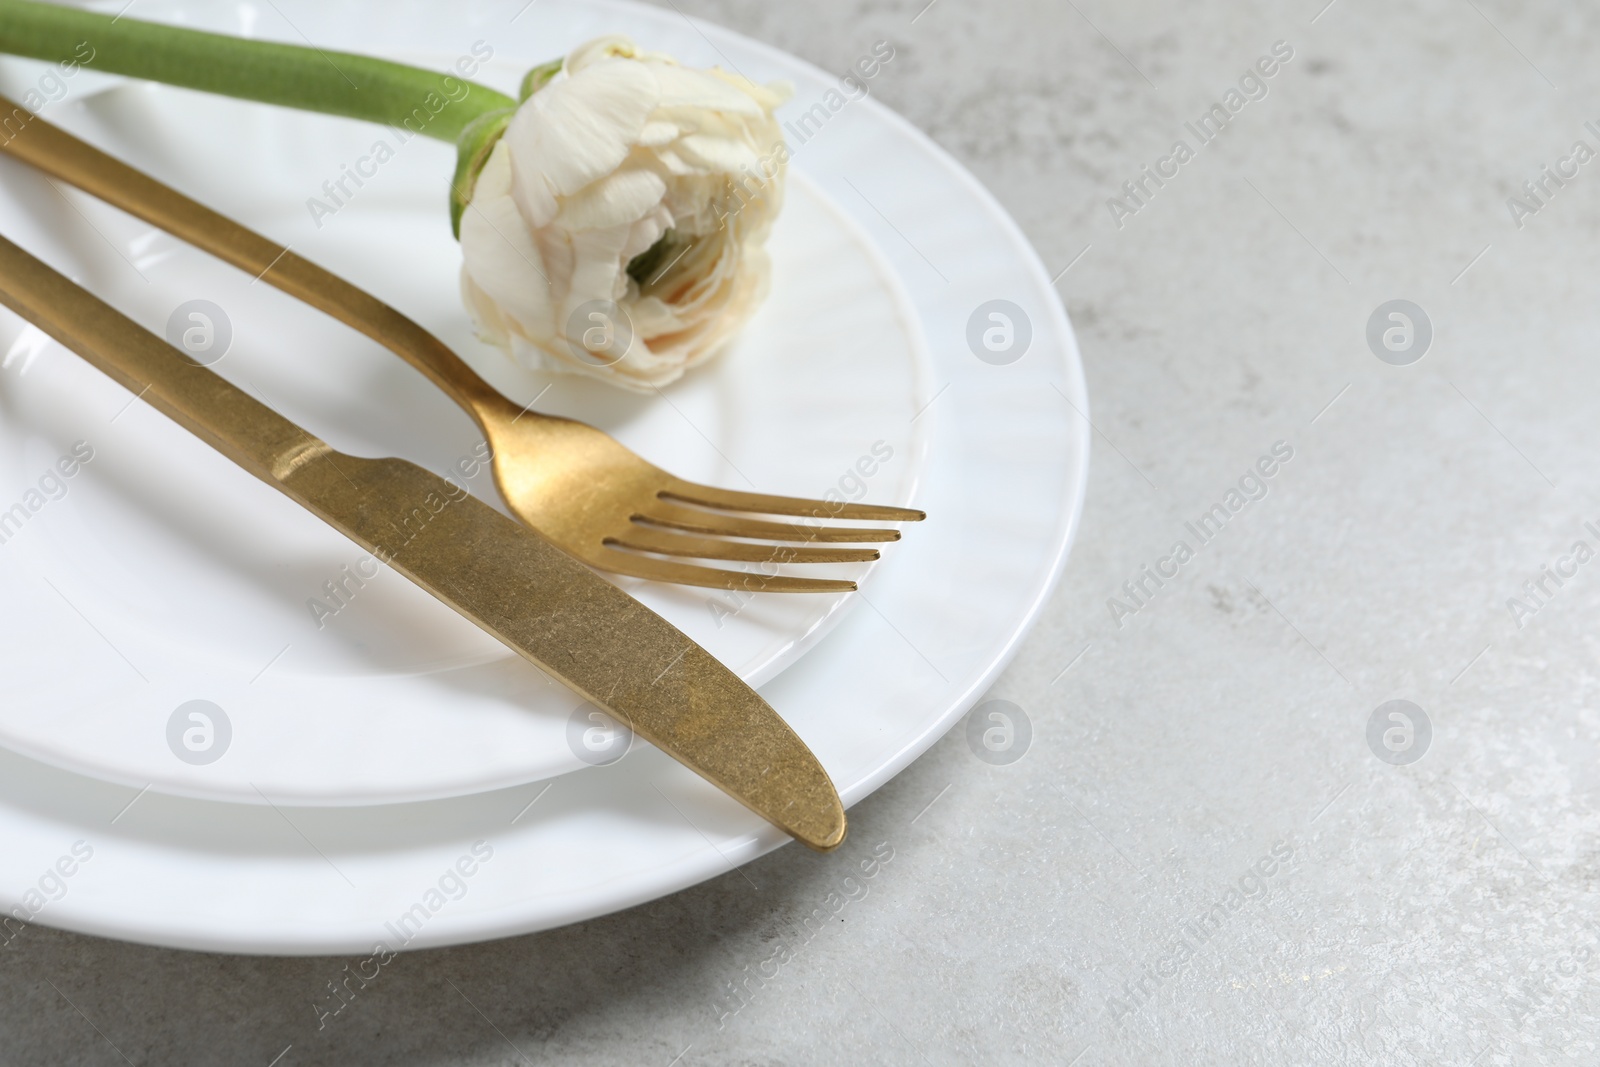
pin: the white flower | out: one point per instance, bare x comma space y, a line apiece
627, 180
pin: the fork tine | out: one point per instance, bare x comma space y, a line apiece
645, 539
662, 570
732, 500
716, 524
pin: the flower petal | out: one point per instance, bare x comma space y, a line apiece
656, 133
643, 234
499, 254
576, 131
601, 48
712, 153
615, 200
683, 88
598, 272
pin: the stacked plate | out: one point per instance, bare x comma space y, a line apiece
239, 733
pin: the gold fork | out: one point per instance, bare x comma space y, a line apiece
576, 485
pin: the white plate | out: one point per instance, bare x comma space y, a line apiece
196, 582
1003, 486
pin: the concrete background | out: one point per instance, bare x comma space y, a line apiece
1441, 912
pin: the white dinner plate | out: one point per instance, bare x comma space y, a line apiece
168, 576
1002, 480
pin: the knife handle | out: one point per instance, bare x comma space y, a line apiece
218, 412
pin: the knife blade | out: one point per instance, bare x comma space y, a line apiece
540, 602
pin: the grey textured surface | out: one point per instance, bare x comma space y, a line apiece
1441, 912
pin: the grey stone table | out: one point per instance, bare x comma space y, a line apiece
1225, 844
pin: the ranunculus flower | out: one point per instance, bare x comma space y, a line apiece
625, 182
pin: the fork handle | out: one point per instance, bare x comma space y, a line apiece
78, 163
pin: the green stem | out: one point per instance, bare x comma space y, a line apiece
336, 83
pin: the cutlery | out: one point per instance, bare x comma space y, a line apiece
503, 576
576, 485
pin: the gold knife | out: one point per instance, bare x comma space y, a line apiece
540, 602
